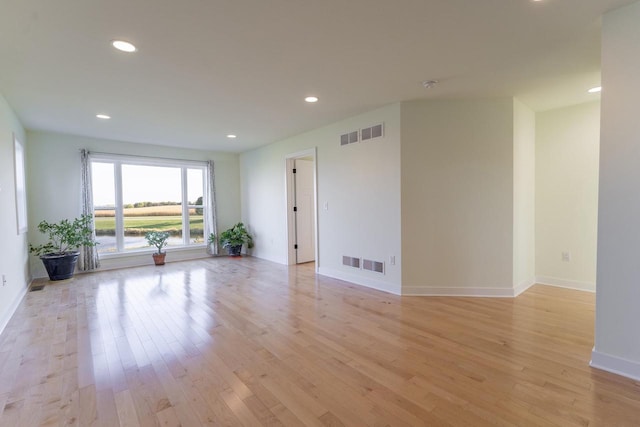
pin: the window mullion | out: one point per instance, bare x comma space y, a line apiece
117, 169
186, 232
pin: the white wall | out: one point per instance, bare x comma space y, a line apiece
617, 347
13, 247
360, 183
567, 153
457, 197
524, 197
54, 184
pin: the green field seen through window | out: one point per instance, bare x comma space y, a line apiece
138, 221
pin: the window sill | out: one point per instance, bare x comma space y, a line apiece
128, 254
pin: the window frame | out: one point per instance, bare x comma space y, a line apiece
118, 160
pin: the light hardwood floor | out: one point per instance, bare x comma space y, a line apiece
247, 342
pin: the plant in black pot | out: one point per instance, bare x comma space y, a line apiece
60, 254
233, 239
159, 240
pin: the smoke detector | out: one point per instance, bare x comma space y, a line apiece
428, 84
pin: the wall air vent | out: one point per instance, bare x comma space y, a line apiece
353, 137
349, 138
375, 266
372, 132
351, 261
363, 134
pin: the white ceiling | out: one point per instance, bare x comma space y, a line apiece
206, 68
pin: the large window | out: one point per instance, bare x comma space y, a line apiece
133, 195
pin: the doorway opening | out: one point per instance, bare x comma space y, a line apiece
302, 208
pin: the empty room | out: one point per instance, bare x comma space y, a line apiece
358, 213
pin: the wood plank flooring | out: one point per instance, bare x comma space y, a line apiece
245, 342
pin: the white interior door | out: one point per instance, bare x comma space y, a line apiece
304, 212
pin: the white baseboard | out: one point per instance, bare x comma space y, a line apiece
4, 320
458, 292
134, 260
428, 291
505, 292
616, 365
523, 286
368, 282
277, 260
565, 283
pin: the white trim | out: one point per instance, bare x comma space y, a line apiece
565, 283
523, 286
139, 259
20, 185
146, 259
4, 321
277, 260
616, 365
145, 161
186, 223
458, 292
289, 196
150, 250
119, 208
359, 280
118, 161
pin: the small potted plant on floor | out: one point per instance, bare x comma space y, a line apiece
233, 239
60, 254
159, 240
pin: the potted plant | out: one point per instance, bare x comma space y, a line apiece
233, 239
60, 254
159, 240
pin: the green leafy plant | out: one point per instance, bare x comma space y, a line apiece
235, 236
157, 239
65, 236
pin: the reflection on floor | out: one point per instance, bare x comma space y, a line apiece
247, 342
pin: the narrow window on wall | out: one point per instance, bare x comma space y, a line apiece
133, 196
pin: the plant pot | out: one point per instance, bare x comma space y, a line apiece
234, 251
60, 267
159, 258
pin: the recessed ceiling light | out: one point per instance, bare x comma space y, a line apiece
232, 136
311, 99
123, 46
595, 89
103, 116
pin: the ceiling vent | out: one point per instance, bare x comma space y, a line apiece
375, 266
351, 261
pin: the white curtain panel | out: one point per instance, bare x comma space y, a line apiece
89, 259
210, 208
